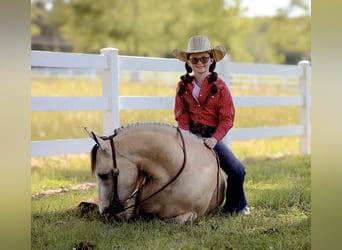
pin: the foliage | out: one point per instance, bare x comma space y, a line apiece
278, 192
36, 13
154, 28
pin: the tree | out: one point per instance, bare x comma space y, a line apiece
154, 28
44, 31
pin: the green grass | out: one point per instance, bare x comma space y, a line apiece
59, 172
278, 192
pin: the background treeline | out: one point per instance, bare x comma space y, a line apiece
154, 28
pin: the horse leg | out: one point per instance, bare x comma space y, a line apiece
182, 218
130, 213
85, 207
219, 194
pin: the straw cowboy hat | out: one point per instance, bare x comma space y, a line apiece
198, 44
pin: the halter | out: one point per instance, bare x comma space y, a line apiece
115, 205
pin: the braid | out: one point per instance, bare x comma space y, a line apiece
212, 66
214, 88
213, 77
188, 68
186, 78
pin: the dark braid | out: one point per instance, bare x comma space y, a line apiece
213, 76
212, 66
212, 79
188, 68
186, 78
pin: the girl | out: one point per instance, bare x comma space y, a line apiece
204, 106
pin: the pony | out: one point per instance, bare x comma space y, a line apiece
157, 170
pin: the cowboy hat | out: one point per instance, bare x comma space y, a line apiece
198, 44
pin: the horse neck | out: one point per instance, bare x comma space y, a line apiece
154, 152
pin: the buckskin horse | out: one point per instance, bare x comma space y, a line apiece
154, 169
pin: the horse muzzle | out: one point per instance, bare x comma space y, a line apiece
110, 213
107, 217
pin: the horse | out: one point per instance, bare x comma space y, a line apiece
158, 170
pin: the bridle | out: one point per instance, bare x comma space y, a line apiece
115, 205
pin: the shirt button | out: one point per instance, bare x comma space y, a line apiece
199, 105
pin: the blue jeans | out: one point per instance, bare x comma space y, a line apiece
235, 196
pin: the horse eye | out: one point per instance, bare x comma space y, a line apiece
103, 176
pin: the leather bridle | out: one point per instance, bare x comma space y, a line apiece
115, 205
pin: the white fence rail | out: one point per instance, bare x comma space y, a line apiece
111, 64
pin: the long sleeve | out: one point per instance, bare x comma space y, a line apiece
181, 112
226, 114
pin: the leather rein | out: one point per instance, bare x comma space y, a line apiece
115, 205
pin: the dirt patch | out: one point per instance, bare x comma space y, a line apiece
84, 186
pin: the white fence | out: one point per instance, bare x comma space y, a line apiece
110, 64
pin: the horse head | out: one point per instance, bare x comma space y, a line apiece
116, 176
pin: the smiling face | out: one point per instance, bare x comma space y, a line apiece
200, 62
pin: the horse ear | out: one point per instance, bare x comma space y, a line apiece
90, 133
98, 140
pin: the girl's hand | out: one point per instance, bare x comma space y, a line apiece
210, 142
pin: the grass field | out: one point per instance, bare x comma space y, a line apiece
277, 182
277, 189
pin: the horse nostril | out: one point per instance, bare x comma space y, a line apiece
108, 217
115, 205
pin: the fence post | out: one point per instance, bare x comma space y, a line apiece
110, 89
304, 89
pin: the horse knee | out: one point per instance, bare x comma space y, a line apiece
181, 219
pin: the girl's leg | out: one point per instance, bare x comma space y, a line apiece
235, 196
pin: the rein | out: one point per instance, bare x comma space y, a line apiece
217, 177
115, 204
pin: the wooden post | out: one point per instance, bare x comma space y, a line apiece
110, 89
304, 89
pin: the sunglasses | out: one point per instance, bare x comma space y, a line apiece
195, 60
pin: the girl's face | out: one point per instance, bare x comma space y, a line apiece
200, 62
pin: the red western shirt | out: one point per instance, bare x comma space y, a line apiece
218, 111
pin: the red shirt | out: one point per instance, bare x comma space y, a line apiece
218, 111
